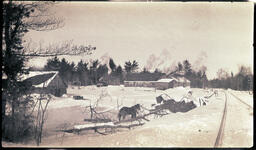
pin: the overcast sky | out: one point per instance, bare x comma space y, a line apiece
217, 35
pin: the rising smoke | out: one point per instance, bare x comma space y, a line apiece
200, 62
104, 59
163, 62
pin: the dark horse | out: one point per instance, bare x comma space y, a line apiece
124, 111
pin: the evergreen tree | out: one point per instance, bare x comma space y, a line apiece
187, 69
180, 67
131, 66
53, 64
112, 65
102, 71
128, 66
135, 66
65, 70
82, 70
119, 70
82, 67
93, 71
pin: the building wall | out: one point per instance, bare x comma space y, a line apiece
57, 86
162, 85
155, 84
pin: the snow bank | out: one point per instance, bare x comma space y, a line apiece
112, 97
60, 102
93, 125
67, 102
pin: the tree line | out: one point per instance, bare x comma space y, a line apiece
242, 81
85, 73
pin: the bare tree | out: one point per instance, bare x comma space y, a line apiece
222, 74
57, 49
41, 116
18, 19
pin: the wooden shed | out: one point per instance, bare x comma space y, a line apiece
165, 83
46, 82
182, 81
161, 84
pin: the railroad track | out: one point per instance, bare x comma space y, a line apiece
241, 100
218, 141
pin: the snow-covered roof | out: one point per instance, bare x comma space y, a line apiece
35, 73
182, 79
4, 76
165, 80
45, 82
139, 81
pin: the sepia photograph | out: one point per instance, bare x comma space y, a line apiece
127, 74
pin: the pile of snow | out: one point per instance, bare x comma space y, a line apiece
177, 93
165, 80
187, 94
93, 125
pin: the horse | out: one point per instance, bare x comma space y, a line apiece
124, 111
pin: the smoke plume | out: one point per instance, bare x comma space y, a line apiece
199, 64
162, 62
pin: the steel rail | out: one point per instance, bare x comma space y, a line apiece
218, 141
241, 100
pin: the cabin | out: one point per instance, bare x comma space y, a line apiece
48, 82
182, 81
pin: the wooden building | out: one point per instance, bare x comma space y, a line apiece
161, 84
46, 82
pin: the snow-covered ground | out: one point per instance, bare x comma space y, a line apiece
124, 96
196, 128
243, 95
238, 130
